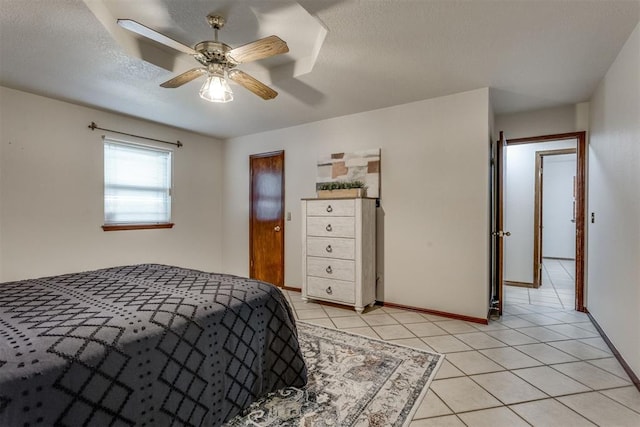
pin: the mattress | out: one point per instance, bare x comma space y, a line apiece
146, 345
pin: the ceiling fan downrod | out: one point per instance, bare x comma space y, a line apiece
216, 22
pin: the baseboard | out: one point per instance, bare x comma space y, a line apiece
438, 313
616, 353
519, 284
559, 258
405, 307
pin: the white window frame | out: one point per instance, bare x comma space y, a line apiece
123, 223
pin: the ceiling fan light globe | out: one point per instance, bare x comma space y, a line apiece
216, 89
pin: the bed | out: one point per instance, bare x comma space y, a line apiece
145, 345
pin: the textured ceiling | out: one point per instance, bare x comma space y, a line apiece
376, 53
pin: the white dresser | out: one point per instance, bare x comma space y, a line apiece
339, 251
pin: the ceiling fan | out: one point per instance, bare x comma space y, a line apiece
218, 61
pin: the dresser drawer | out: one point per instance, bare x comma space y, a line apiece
331, 207
331, 247
331, 227
331, 268
335, 290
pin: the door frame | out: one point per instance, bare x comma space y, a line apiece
279, 153
538, 209
498, 223
581, 187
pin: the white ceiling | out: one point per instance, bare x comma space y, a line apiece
377, 53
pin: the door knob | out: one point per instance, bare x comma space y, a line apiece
501, 233
276, 228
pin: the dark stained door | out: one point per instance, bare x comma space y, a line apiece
266, 221
498, 233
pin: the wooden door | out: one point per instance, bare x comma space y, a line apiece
498, 233
266, 221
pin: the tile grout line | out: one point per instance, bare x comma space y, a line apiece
555, 290
567, 271
615, 375
618, 402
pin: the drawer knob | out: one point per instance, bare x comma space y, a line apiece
329, 208
329, 290
329, 270
328, 228
329, 248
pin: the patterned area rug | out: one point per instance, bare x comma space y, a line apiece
353, 381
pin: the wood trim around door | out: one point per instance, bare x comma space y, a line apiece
581, 187
518, 284
537, 211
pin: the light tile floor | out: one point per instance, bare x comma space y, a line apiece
557, 289
540, 364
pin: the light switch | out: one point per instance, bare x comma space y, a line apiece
288, 216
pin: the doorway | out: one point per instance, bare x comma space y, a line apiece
266, 217
554, 213
499, 233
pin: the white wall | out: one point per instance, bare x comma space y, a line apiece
51, 184
1, 167
519, 207
548, 121
614, 197
558, 233
434, 196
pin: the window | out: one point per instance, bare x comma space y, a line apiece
137, 186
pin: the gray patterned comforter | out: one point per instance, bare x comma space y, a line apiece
146, 345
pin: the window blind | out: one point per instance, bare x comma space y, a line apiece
137, 184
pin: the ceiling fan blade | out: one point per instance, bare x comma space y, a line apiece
147, 32
259, 49
185, 77
250, 83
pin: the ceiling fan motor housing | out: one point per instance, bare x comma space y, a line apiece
211, 52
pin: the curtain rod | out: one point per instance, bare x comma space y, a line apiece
94, 126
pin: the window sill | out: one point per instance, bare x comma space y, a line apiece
122, 227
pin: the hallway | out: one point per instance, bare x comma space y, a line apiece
557, 290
